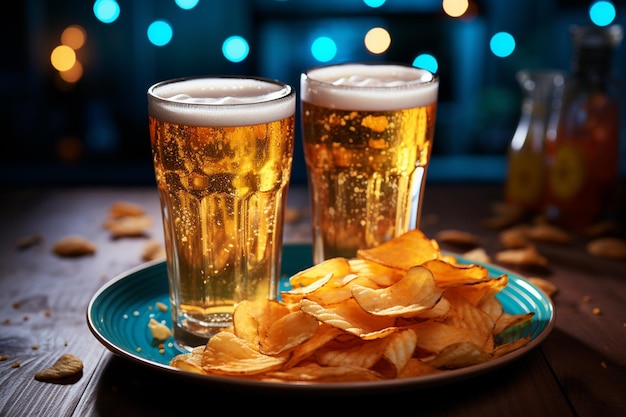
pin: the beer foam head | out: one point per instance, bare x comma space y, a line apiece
220, 101
373, 87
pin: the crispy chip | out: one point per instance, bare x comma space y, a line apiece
288, 332
457, 237
190, 362
447, 274
408, 297
350, 317
334, 266
528, 256
415, 368
410, 249
459, 355
67, 368
73, 246
225, 353
313, 372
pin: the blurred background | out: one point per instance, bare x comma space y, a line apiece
74, 73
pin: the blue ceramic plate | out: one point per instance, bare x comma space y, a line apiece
119, 312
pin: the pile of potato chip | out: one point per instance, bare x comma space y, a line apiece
400, 310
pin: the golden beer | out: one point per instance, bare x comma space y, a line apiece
367, 132
222, 152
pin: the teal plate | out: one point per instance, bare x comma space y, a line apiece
118, 316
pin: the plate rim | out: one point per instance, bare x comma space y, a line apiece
429, 381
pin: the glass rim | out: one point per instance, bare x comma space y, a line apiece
417, 83
285, 91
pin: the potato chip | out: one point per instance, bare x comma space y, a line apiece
190, 362
528, 256
399, 350
363, 355
447, 274
477, 255
457, 237
225, 353
407, 250
313, 372
350, 317
433, 336
415, 368
464, 314
288, 332
381, 275
325, 334
511, 346
507, 321
411, 295
334, 266
67, 368
335, 292
251, 319
459, 355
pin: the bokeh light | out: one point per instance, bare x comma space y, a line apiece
323, 49
63, 58
602, 13
160, 32
374, 3
455, 8
187, 4
427, 62
235, 49
106, 11
377, 40
74, 36
502, 44
73, 74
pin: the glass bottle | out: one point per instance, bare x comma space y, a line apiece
526, 175
583, 158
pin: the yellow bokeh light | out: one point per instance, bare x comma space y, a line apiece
73, 74
455, 8
63, 58
377, 40
74, 36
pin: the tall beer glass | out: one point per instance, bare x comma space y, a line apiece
222, 150
367, 132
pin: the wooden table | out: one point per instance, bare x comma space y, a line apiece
579, 370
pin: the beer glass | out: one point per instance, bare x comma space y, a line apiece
222, 150
367, 133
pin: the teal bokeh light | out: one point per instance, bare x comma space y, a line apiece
106, 11
187, 4
602, 13
427, 62
374, 3
235, 49
323, 49
160, 32
502, 44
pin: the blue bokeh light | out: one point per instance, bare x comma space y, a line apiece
235, 49
502, 44
323, 49
602, 13
106, 11
187, 4
374, 3
427, 62
160, 32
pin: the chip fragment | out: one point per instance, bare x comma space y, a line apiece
67, 369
